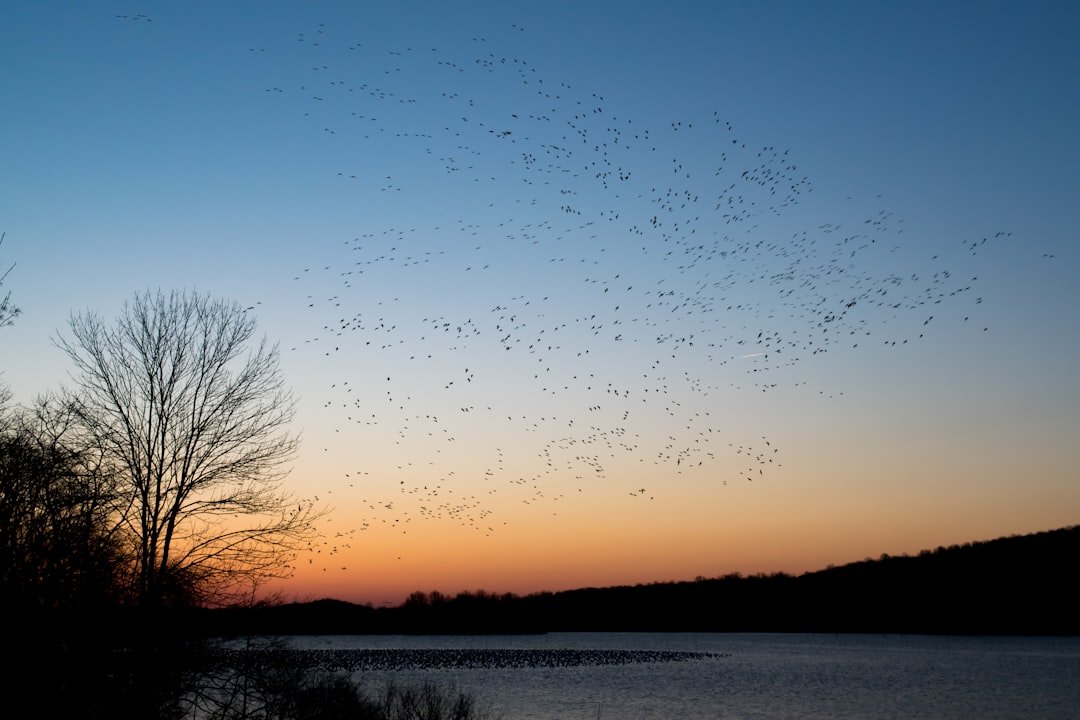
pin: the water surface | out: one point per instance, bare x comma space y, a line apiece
690, 676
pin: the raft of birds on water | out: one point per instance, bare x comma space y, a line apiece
389, 659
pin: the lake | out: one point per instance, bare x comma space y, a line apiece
647, 676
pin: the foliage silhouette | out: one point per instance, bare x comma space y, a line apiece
58, 548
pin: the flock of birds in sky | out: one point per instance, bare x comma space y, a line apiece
573, 302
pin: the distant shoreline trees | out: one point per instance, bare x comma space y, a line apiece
1017, 585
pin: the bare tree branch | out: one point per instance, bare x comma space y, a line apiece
8, 311
179, 395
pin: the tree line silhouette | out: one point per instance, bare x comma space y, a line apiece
1011, 585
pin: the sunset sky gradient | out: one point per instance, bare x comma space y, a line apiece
584, 293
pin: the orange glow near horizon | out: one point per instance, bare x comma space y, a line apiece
780, 527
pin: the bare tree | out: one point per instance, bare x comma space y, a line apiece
193, 411
8, 311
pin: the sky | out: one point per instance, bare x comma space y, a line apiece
579, 294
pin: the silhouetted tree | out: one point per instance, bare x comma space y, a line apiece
62, 564
194, 415
58, 546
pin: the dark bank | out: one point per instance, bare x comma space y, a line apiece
1019, 585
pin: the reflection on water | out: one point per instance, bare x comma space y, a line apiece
738, 676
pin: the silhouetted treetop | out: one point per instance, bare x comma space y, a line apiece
191, 409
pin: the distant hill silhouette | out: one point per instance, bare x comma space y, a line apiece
1012, 585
